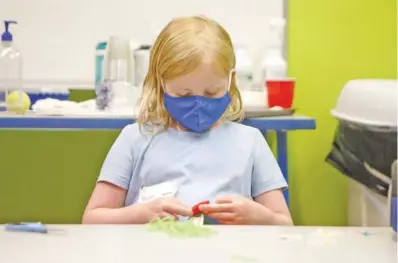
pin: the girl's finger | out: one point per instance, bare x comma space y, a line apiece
213, 208
224, 200
177, 209
167, 215
222, 216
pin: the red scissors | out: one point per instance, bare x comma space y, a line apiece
197, 217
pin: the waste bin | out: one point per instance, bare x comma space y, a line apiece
365, 146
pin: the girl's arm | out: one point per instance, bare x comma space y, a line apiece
275, 208
106, 207
268, 183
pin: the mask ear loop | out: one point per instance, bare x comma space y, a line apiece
230, 79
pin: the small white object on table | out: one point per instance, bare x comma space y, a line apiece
133, 243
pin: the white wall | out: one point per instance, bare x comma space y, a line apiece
57, 37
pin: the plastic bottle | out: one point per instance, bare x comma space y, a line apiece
244, 68
10, 65
131, 66
274, 65
141, 59
100, 50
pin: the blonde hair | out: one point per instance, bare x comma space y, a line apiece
179, 49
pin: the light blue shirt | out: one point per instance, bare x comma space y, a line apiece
231, 159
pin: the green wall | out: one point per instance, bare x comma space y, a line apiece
48, 176
329, 43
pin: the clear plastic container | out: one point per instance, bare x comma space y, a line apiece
115, 93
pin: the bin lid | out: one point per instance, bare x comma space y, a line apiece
368, 101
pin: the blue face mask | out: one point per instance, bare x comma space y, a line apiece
196, 113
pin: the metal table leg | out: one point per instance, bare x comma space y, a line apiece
282, 158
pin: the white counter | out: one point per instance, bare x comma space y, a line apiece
133, 244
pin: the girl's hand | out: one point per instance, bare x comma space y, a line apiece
165, 207
237, 211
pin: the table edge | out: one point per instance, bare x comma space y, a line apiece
295, 122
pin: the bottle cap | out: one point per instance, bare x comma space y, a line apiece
7, 36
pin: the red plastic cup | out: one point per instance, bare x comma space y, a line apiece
280, 92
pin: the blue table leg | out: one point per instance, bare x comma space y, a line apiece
282, 158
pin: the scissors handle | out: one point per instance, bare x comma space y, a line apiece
26, 227
195, 208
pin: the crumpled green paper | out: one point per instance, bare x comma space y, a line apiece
174, 228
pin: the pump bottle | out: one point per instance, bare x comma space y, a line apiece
10, 64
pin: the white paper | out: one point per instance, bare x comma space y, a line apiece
149, 193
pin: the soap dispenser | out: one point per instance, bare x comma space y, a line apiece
10, 64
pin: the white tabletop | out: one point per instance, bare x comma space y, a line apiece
100, 244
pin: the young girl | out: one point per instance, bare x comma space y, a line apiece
185, 147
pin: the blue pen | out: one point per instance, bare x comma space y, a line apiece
26, 227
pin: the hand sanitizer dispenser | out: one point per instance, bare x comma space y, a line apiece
10, 65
